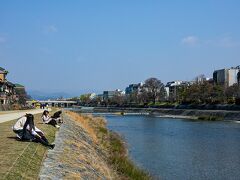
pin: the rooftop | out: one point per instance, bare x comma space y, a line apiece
2, 70
19, 86
10, 84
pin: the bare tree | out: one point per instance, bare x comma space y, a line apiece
117, 100
153, 90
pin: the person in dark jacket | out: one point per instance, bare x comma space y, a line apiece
27, 131
57, 116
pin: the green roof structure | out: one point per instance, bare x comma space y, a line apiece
19, 86
3, 71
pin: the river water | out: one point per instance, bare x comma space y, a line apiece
181, 149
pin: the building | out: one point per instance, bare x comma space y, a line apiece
238, 78
3, 74
200, 79
110, 94
226, 77
133, 88
7, 89
99, 97
21, 95
172, 89
92, 96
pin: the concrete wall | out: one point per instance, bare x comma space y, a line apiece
232, 75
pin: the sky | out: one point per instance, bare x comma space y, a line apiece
91, 45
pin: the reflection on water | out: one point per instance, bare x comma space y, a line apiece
181, 149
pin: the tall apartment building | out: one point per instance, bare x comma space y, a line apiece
110, 94
133, 88
226, 77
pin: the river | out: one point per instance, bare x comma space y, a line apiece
181, 149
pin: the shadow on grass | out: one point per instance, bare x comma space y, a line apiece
16, 138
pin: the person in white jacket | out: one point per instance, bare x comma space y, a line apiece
26, 130
49, 120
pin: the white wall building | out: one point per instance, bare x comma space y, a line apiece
226, 77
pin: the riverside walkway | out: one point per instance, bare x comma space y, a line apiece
11, 115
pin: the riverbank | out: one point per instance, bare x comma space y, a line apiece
86, 149
171, 113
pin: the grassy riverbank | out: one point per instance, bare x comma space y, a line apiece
112, 146
211, 118
22, 160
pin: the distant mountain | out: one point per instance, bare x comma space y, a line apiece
38, 95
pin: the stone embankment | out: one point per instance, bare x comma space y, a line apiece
76, 154
182, 113
194, 114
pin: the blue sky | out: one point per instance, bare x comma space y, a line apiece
75, 46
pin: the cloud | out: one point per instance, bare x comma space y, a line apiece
2, 39
227, 42
224, 42
190, 40
50, 29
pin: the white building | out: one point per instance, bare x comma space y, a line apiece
172, 89
226, 77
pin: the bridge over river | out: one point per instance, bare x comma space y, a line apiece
54, 103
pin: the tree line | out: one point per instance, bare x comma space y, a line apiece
209, 93
153, 92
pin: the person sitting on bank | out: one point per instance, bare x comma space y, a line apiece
48, 120
27, 131
57, 116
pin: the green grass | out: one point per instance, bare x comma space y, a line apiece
210, 118
102, 130
22, 160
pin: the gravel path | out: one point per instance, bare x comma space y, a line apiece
15, 115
